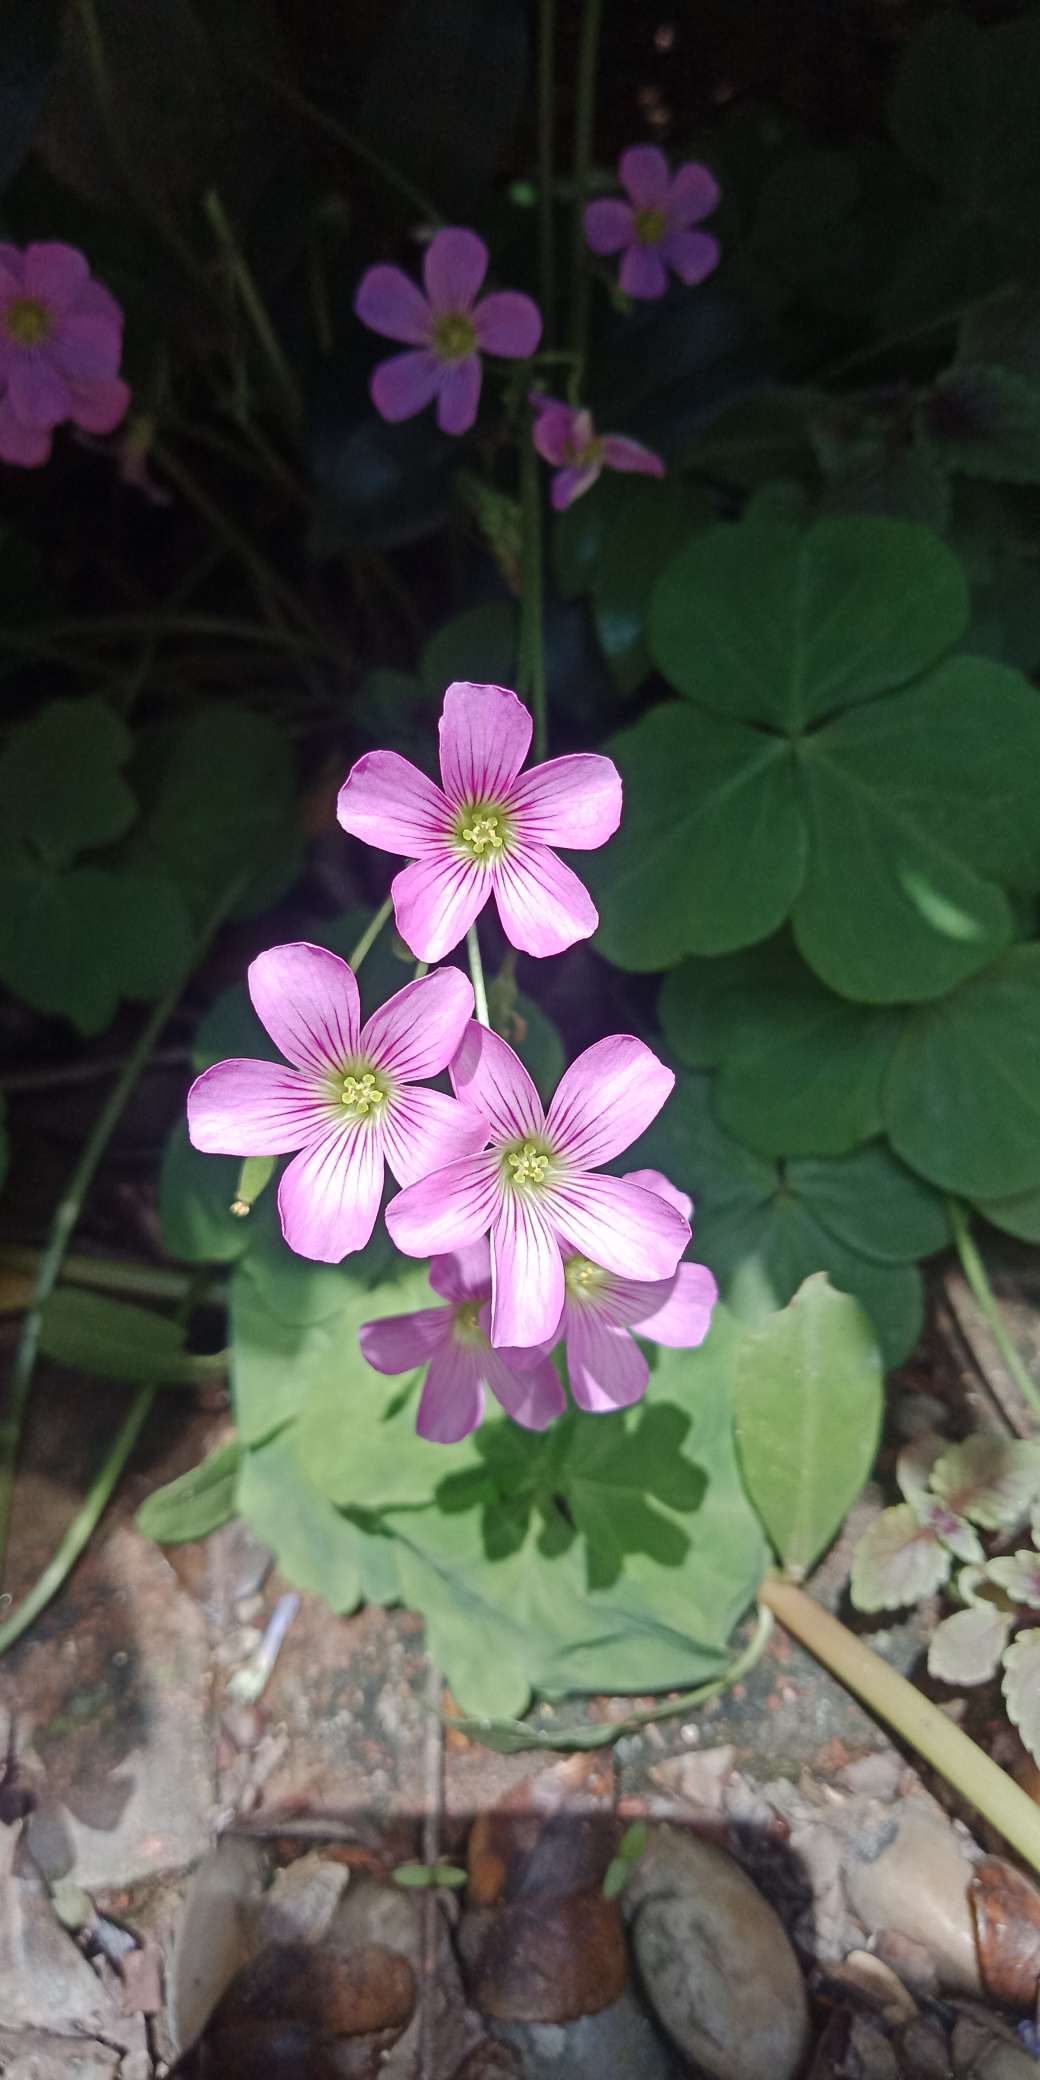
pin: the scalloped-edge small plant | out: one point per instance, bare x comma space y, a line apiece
991, 1483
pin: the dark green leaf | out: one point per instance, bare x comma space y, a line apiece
115, 1339
477, 644
1019, 1215
578, 535
61, 787
617, 1471
195, 1195
195, 1504
802, 1076
875, 1205
639, 542
219, 802
962, 110
702, 1002
962, 1095
75, 943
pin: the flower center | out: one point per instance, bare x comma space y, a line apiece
483, 832
28, 322
651, 226
362, 1093
526, 1163
454, 336
467, 1322
583, 1279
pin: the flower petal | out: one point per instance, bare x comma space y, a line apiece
643, 172
606, 1099
683, 1320
436, 901
87, 347
485, 736
534, 1396
605, 1366
388, 301
693, 194
458, 395
643, 273
492, 1081
569, 484
627, 1230
27, 446
631, 457
655, 1181
398, 1342
415, 1033
390, 804
448, 1210
465, 1274
55, 274
99, 403
452, 1399
454, 267
307, 999
401, 386
543, 906
573, 801
508, 323
553, 429
609, 225
93, 300
693, 254
329, 1196
38, 391
243, 1108
527, 1288
423, 1130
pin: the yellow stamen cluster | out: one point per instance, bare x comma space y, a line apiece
467, 1321
454, 336
483, 835
583, 1278
362, 1092
28, 322
528, 1164
651, 226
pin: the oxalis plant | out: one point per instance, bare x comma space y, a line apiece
743, 494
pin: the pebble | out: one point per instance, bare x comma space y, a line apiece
917, 1886
716, 1963
620, 2043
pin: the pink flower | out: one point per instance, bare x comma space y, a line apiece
568, 439
488, 830
348, 1103
447, 330
535, 1189
652, 227
453, 1342
607, 1369
61, 339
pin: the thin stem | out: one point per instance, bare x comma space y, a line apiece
30, 643
271, 590
975, 1272
584, 119
370, 934
887, 1694
83, 1523
546, 131
351, 142
253, 304
64, 1074
476, 969
67, 1214
531, 667
108, 1274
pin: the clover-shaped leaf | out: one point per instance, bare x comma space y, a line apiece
1021, 1687
967, 1647
898, 1560
992, 1480
961, 1096
62, 789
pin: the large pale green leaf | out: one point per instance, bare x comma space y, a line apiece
962, 1093
61, 785
317, 1547
780, 626
196, 1503
710, 853
808, 1399
962, 110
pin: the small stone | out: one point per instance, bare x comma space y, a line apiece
716, 1963
916, 1884
1006, 1906
142, 1980
871, 1980
243, 1725
620, 2043
548, 1961
299, 1905
338, 1994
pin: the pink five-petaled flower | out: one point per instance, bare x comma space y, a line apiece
348, 1102
447, 330
488, 830
61, 338
453, 1342
607, 1369
653, 226
567, 438
536, 1189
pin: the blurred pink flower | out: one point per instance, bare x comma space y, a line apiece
536, 1191
453, 1343
607, 1369
488, 830
348, 1102
61, 339
567, 438
446, 329
653, 227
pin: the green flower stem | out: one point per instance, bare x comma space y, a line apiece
349, 139
68, 1211
476, 969
975, 1272
253, 304
546, 129
915, 1718
83, 1523
584, 117
107, 1274
531, 668
370, 934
